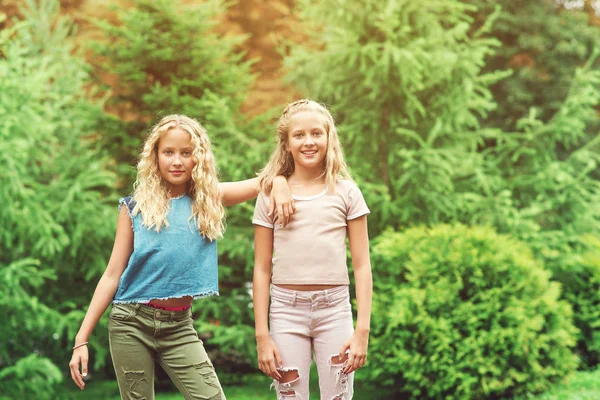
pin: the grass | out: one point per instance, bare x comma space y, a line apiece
249, 387
108, 390
581, 386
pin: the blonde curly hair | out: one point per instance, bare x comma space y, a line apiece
151, 193
282, 162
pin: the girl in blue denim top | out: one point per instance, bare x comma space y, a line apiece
164, 256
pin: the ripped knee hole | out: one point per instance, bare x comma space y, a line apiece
339, 360
134, 378
288, 375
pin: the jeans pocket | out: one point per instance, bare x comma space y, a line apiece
278, 304
121, 312
341, 302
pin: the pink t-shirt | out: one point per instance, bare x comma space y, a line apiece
311, 249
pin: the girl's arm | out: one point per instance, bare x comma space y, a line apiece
105, 292
361, 261
269, 358
233, 193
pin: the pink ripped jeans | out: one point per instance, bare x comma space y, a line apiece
303, 322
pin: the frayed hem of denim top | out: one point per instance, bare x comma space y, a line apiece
194, 297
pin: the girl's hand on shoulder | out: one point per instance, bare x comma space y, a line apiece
358, 345
80, 357
269, 359
281, 201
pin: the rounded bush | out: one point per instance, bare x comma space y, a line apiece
465, 313
579, 275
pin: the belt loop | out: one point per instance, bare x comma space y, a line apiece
171, 314
294, 298
326, 294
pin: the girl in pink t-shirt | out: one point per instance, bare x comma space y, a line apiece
306, 262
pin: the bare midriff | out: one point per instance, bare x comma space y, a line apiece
307, 288
175, 302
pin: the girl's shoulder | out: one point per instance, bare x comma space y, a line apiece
128, 202
346, 186
353, 198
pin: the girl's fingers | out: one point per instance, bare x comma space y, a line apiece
74, 366
350, 365
277, 361
73, 376
357, 363
286, 216
277, 357
84, 366
360, 363
274, 372
344, 348
269, 369
271, 207
280, 215
264, 367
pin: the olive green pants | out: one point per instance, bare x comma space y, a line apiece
140, 336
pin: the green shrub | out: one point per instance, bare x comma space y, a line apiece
579, 276
32, 377
462, 313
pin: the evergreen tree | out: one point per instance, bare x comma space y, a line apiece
58, 211
542, 43
168, 58
405, 80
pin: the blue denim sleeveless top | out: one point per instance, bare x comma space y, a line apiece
175, 262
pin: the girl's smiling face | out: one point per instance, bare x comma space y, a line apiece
175, 160
307, 139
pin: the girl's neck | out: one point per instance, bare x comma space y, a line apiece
177, 191
305, 176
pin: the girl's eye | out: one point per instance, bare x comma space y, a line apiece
187, 153
168, 152
318, 133
298, 135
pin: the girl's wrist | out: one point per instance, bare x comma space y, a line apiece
80, 345
363, 330
262, 335
81, 338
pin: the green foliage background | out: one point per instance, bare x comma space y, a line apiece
465, 313
480, 116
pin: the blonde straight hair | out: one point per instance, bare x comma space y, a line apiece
150, 189
282, 162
